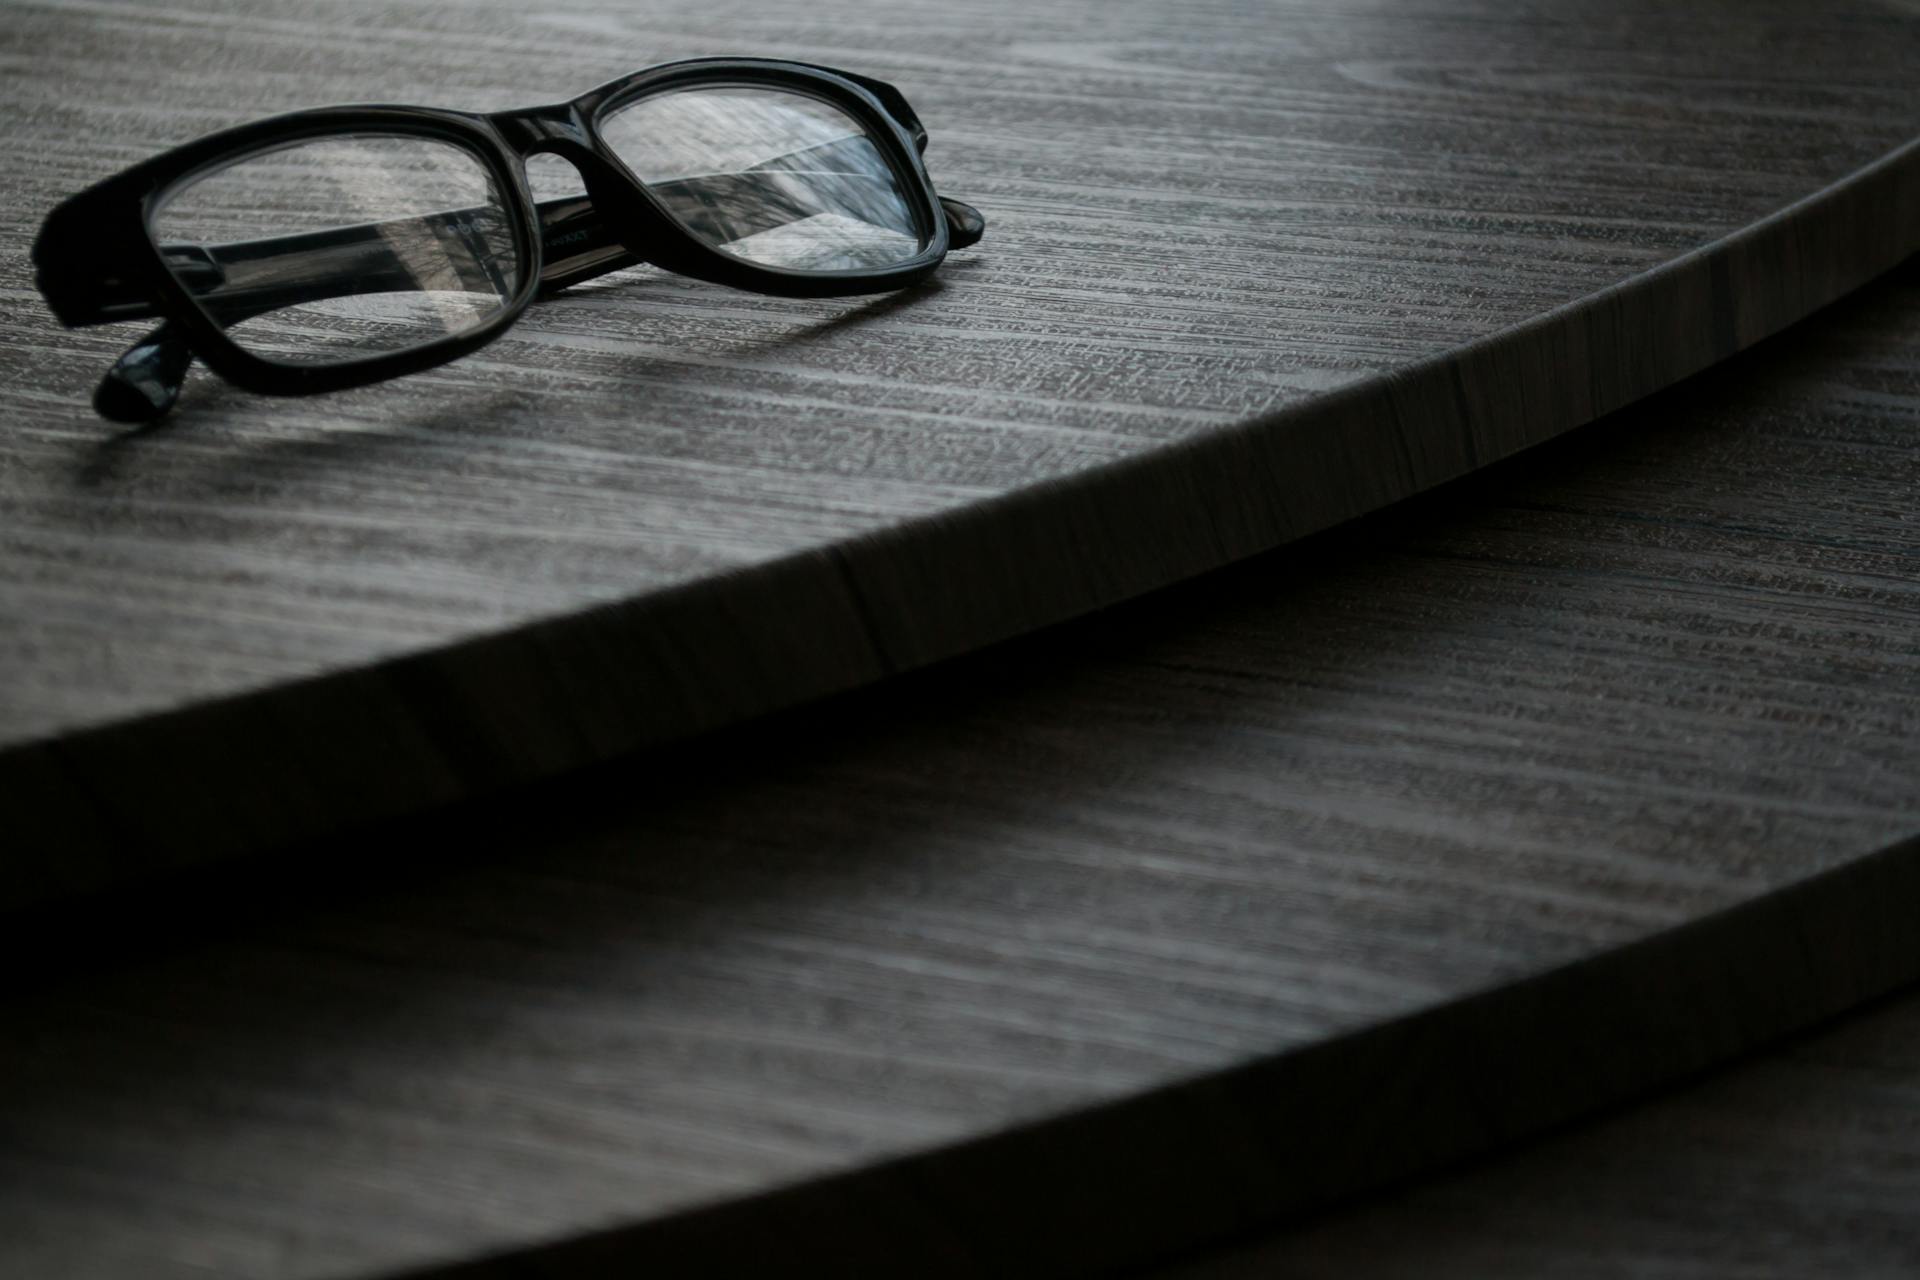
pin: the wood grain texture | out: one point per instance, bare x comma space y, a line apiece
1253, 270
1805, 1162
1335, 866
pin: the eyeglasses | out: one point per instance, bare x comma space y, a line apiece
336, 247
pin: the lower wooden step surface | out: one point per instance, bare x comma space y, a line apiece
1804, 1161
1348, 863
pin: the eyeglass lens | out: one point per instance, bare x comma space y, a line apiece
777, 178
336, 248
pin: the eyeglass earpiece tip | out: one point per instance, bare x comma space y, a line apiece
144, 382
119, 401
965, 224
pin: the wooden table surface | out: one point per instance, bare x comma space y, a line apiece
1329, 869
1322, 870
1253, 269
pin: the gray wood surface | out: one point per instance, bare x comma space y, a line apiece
1357, 858
1252, 269
1805, 1162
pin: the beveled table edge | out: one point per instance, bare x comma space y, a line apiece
1146, 1178
121, 803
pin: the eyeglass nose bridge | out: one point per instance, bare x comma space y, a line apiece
560, 130
531, 130
581, 236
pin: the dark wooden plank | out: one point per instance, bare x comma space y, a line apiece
1253, 270
1335, 866
1802, 1163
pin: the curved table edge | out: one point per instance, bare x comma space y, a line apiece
1144, 1179
127, 801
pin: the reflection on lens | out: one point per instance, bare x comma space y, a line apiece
337, 248
777, 178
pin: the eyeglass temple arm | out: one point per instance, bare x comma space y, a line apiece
237, 281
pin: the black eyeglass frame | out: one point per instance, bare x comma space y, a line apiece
98, 262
